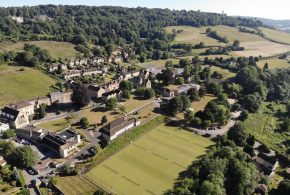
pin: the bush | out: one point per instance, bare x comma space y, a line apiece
84, 123
9, 134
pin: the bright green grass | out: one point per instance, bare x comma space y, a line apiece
226, 73
18, 85
56, 49
277, 35
75, 185
264, 124
157, 63
274, 63
151, 164
56, 125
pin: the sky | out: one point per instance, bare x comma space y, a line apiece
272, 9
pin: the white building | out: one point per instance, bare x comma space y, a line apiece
3, 127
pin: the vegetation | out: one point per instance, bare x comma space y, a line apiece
80, 96
111, 104
168, 152
9, 134
84, 122
56, 125
273, 64
276, 35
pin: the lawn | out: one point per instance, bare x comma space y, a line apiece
264, 126
159, 64
56, 49
151, 164
133, 104
274, 63
75, 185
56, 125
95, 117
226, 73
276, 35
17, 85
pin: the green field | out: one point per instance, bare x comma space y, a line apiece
274, 63
226, 73
276, 35
75, 185
56, 125
16, 85
151, 164
264, 126
56, 49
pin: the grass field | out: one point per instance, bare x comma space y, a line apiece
159, 64
226, 73
264, 125
16, 85
133, 103
276, 35
274, 63
56, 49
75, 185
151, 164
56, 125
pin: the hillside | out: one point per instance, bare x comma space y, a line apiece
276, 35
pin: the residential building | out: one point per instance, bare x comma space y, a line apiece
60, 97
24, 107
63, 143
31, 133
115, 128
15, 118
42, 165
2, 161
92, 71
96, 91
71, 74
3, 127
266, 164
112, 94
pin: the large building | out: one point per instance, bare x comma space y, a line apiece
115, 128
16, 119
63, 143
31, 133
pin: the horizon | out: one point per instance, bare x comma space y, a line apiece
258, 8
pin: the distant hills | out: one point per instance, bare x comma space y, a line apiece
278, 24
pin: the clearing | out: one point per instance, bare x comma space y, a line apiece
276, 35
75, 185
21, 83
264, 126
274, 63
56, 49
151, 164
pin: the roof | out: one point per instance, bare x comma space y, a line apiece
270, 159
22, 105
55, 94
116, 125
117, 91
10, 111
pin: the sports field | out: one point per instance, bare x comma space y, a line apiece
75, 185
18, 84
151, 164
274, 63
277, 35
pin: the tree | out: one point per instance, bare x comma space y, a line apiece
42, 111
193, 94
24, 157
252, 102
284, 187
80, 96
8, 134
238, 134
214, 89
266, 67
66, 170
126, 94
189, 115
126, 85
104, 119
111, 104
149, 93
244, 115
84, 122
185, 103
166, 76
236, 44
176, 105
179, 80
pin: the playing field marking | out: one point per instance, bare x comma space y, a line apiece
179, 165
167, 133
112, 170
140, 147
130, 180
159, 156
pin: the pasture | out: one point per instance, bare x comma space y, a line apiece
55, 49
276, 35
226, 73
21, 83
75, 185
274, 63
151, 164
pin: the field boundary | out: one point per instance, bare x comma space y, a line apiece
260, 32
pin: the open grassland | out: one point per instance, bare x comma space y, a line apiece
159, 64
56, 49
264, 126
276, 35
192, 35
226, 73
151, 164
17, 85
274, 63
75, 185
263, 48
56, 125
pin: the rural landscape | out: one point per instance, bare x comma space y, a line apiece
129, 100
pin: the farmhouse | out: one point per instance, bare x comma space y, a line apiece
15, 118
112, 130
63, 143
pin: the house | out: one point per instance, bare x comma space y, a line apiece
178, 71
2, 161
96, 91
3, 127
31, 133
183, 89
154, 71
66, 97
71, 74
62, 98
266, 164
17, 19
141, 82
42, 165
42, 100
63, 143
24, 107
112, 94
52, 68
15, 118
92, 71
115, 128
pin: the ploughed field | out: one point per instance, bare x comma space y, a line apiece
151, 164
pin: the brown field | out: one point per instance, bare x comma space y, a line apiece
274, 63
276, 35
263, 48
